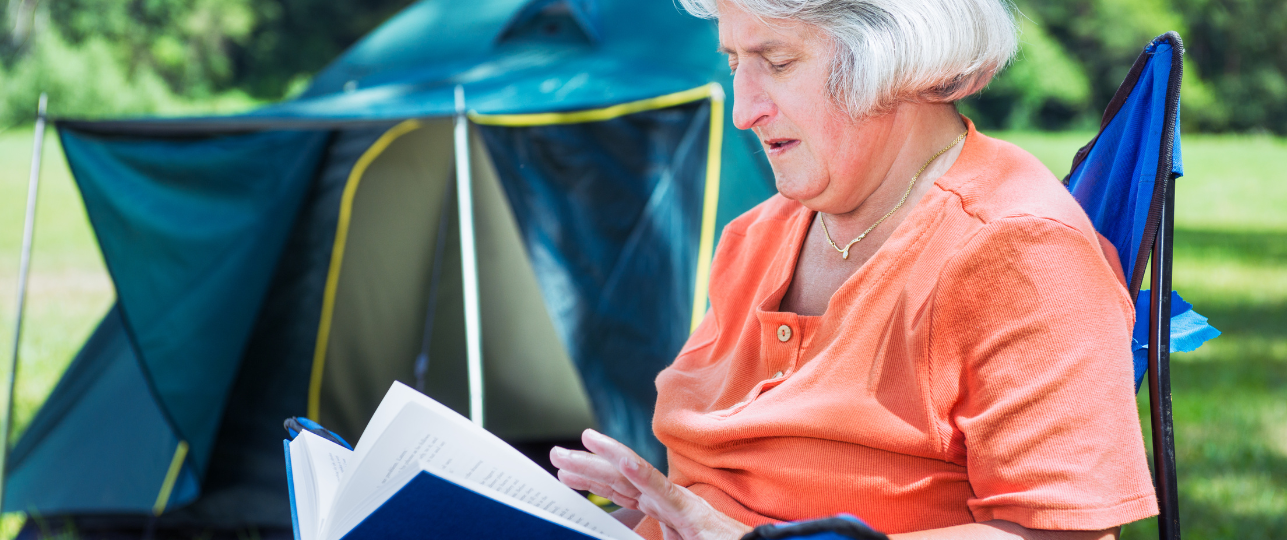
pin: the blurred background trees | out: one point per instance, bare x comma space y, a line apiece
101, 58
123, 57
1076, 52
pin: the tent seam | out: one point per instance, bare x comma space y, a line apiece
710, 198
594, 115
337, 257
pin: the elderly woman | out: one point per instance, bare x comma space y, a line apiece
921, 330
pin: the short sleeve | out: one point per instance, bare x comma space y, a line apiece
1046, 413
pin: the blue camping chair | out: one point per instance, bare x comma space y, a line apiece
1124, 179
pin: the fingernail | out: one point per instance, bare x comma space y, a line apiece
560, 452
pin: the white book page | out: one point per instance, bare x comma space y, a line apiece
426, 431
327, 460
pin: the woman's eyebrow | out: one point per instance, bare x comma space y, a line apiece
761, 49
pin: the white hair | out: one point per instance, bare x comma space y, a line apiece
887, 51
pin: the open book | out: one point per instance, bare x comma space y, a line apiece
420, 470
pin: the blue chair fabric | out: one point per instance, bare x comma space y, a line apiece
1124, 179
1121, 177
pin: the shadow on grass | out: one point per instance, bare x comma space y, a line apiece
1262, 321
1230, 458
1256, 248
1230, 402
1259, 322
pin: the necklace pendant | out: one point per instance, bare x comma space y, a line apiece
845, 254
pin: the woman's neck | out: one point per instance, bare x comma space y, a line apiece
918, 131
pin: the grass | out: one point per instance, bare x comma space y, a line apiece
1230, 397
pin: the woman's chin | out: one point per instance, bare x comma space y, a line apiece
798, 189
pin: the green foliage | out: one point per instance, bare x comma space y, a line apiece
91, 80
118, 57
1238, 46
111, 58
187, 43
202, 47
1042, 88
87, 80
1233, 76
1100, 38
293, 39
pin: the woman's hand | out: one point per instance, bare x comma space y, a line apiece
613, 471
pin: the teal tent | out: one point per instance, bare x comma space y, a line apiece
511, 204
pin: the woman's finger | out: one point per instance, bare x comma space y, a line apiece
680, 513
657, 495
578, 482
613, 452
663, 498
605, 446
583, 463
574, 481
600, 468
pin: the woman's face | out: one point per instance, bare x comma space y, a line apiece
821, 156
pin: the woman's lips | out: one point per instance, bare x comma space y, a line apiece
778, 146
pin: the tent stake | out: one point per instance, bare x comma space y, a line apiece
28, 230
469, 261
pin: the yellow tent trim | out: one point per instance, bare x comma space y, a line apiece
594, 115
171, 476
710, 206
710, 203
337, 257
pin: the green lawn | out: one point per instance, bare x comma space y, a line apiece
1231, 247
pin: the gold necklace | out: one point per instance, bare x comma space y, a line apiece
845, 251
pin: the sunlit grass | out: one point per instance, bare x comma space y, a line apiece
1230, 397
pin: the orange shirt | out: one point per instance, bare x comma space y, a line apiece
977, 367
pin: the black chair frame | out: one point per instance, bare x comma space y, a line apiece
1157, 243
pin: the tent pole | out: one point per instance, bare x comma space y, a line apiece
440, 242
469, 261
1159, 372
28, 231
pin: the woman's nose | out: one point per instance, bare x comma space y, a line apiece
752, 105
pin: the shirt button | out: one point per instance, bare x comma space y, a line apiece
784, 333
777, 375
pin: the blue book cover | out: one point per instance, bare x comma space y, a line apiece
431, 507
290, 484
